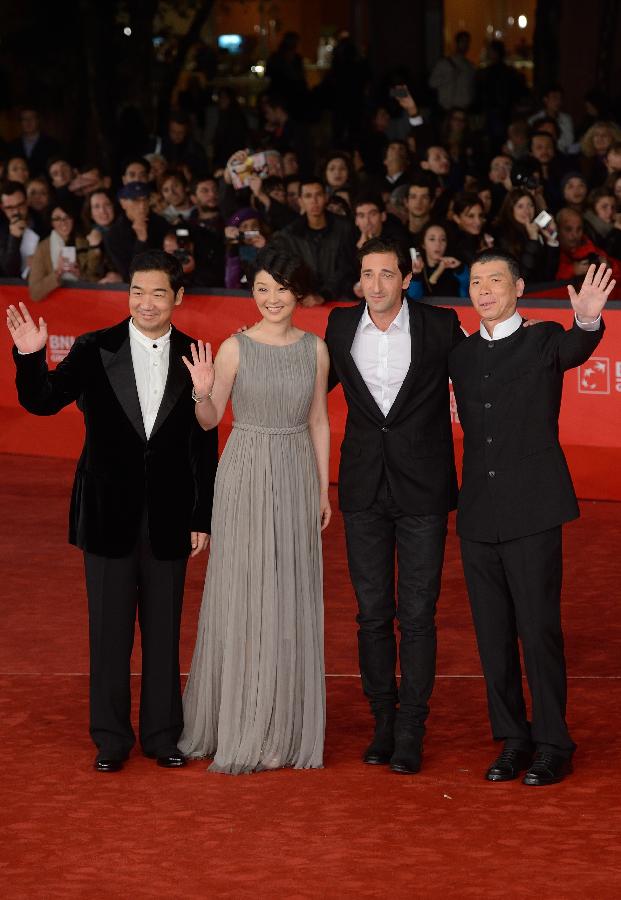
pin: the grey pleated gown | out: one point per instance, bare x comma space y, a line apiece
255, 697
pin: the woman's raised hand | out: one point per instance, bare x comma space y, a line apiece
27, 336
201, 369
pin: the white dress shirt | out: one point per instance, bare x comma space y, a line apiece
150, 360
511, 325
383, 357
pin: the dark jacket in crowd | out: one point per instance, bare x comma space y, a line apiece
538, 260
122, 244
44, 149
329, 252
10, 257
604, 235
208, 253
120, 472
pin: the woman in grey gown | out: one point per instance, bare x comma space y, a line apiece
255, 697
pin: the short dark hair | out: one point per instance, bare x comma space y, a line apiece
386, 245
12, 187
179, 176
538, 133
158, 261
370, 197
465, 200
200, 179
180, 117
492, 255
272, 182
311, 179
424, 179
287, 269
547, 120
130, 160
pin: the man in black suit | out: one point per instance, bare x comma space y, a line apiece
516, 493
141, 499
397, 484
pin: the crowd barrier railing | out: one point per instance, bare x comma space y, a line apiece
590, 422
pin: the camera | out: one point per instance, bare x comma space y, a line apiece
182, 255
399, 93
247, 236
525, 180
182, 235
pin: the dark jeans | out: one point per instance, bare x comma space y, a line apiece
116, 588
515, 592
373, 535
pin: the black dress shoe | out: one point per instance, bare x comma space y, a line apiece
170, 759
547, 768
105, 764
407, 758
381, 748
509, 765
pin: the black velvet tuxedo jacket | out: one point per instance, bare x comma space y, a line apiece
515, 478
119, 471
413, 444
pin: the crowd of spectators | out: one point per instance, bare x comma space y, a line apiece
484, 164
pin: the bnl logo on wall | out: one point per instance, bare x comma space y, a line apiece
594, 376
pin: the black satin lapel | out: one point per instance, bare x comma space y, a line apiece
120, 371
416, 338
176, 383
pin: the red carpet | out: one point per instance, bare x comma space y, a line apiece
346, 831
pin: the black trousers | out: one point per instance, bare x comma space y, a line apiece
373, 535
116, 588
515, 592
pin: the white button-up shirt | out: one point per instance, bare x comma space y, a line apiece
383, 357
150, 360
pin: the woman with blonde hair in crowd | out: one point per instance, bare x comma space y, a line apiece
593, 148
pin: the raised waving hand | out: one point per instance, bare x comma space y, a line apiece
201, 369
27, 336
597, 286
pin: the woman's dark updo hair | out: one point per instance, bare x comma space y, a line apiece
287, 269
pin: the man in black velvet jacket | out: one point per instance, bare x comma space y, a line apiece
397, 483
516, 493
141, 499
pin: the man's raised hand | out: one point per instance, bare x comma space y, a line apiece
201, 369
597, 286
27, 336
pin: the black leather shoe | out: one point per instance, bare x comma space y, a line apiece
407, 758
104, 764
509, 765
547, 768
173, 759
381, 748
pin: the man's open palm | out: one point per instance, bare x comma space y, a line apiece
27, 335
596, 288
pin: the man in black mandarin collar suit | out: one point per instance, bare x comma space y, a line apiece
141, 500
397, 484
516, 493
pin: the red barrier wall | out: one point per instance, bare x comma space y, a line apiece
590, 423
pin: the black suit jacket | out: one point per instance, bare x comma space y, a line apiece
515, 478
119, 470
413, 444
